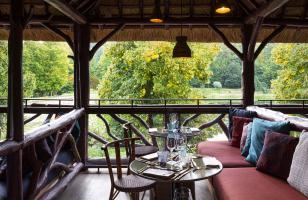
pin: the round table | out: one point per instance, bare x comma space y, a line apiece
190, 177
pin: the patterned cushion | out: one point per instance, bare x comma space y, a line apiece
238, 123
239, 113
245, 150
298, 177
277, 153
244, 135
259, 127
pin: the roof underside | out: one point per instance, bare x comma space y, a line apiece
105, 15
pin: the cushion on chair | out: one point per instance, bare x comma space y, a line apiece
248, 183
244, 135
132, 183
277, 153
245, 149
228, 155
259, 127
298, 177
238, 123
145, 150
239, 113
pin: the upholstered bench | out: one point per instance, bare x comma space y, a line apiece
228, 155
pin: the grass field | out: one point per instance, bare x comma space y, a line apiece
225, 93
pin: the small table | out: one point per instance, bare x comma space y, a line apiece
188, 177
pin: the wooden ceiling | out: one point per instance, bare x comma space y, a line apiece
105, 15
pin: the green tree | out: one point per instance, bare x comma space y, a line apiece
147, 70
292, 80
227, 69
49, 63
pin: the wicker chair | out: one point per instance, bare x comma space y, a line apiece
130, 183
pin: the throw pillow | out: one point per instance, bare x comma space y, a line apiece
245, 150
239, 113
259, 127
277, 153
244, 135
238, 123
298, 177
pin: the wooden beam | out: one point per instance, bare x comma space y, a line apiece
15, 128
61, 34
67, 10
83, 41
268, 39
141, 9
265, 10
253, 38
248, 86
104, 40
226, 41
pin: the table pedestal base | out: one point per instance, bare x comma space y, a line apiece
165, 190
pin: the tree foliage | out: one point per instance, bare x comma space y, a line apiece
46, 67
292, 80
147, 70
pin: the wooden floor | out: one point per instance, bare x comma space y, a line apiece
95, 186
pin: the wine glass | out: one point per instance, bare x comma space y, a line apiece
171, 143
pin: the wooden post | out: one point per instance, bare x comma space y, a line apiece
248, 86
76, 68
83, 54
15, 96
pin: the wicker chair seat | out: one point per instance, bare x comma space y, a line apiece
132, 183
145, 150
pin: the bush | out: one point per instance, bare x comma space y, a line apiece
217, 84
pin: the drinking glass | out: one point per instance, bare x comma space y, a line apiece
171, 143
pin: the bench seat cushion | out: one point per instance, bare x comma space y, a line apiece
248, 183
228, 155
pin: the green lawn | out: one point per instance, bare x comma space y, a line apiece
225, 93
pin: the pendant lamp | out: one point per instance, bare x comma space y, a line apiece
181, 48
156, 15
222, 7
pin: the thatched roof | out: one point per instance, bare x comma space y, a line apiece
105, 15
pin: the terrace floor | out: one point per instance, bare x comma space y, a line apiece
92, 185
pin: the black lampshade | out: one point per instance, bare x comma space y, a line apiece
156, 15
222, 7
181, 48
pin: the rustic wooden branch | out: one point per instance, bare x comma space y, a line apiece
118, 119
98, 138
8, 147
62, 184
32, 118
226, 41
104, 40
67, 10
187, 120
49, 128
268, 39
28, 17
253, 38
142, 122
265, 10
107, 127
61, 34
211, 123
298, 123
223, 127
138, 133
61, 166
72, 143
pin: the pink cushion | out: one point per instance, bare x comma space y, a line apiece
248, 183
228, 155
238, 123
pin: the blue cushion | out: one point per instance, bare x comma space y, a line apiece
245, 150
259, 127
239, 113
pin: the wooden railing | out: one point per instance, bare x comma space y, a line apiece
60, 131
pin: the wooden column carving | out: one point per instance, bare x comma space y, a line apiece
15, 96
